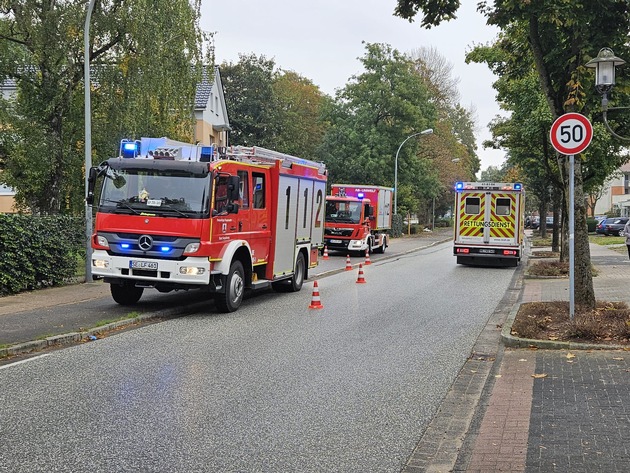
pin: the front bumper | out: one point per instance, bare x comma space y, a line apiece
191, 271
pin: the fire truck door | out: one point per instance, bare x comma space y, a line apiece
287, 223
260, 227
318, 203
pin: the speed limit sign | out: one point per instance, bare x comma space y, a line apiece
571, 133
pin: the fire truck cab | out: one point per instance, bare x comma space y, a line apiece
175, 216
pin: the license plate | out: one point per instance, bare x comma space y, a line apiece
486, 251
335, 241
143, 265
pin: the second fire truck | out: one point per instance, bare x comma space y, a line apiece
177, 216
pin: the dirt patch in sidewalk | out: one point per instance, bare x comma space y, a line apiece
607, 324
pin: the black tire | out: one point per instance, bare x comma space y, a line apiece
381, 249
231, 299
295, 283
126, 293
620, 232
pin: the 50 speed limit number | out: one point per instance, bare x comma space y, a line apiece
571, 133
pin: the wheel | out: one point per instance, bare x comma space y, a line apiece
381, 249
295, 283
620, 232
126, 293
231, 299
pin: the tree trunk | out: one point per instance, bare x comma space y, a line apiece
584, 292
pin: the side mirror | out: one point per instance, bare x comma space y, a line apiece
92, 174
232, 208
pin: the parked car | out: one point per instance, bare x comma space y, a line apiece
614, 226
600, 228
535, 223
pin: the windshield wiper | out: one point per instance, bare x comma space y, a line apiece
120, 203
173, 209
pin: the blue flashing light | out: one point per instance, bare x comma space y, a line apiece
124, 246
129, 148
360, 195
165, 249
459, 186
518, 186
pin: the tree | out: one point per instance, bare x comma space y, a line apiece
371, 117
560, 38
251, 102
300, 104
272, 108
142, 57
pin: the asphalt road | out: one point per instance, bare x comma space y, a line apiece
273, 387
57, 311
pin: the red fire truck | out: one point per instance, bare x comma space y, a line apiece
358, 218
177, 216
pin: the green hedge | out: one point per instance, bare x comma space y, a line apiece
592, 224
38, 251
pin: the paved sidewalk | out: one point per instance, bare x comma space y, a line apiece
538, 410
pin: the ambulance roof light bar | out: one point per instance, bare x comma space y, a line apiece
504, 186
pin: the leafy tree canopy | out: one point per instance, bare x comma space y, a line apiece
141, 55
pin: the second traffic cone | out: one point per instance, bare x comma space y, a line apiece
348, 263
367, 257
325, 252
315, 302
361, 279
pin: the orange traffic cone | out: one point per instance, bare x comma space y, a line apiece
367, 257
348, 263
315, 302
325, 252
361, 279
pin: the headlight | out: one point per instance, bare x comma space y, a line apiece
192, 248
100, 263
191, 270
102, 241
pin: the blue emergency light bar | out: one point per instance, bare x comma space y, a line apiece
360, 195
129, 148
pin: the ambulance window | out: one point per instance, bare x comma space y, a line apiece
244, 189
503, 206
472, 205
259, 190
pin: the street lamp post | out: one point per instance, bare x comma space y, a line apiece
88, 138
604, 65
425, 132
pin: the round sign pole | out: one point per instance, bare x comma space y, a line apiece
570, 134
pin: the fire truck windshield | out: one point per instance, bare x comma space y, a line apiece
164, 192
343, 212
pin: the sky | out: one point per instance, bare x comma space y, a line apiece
322, 41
